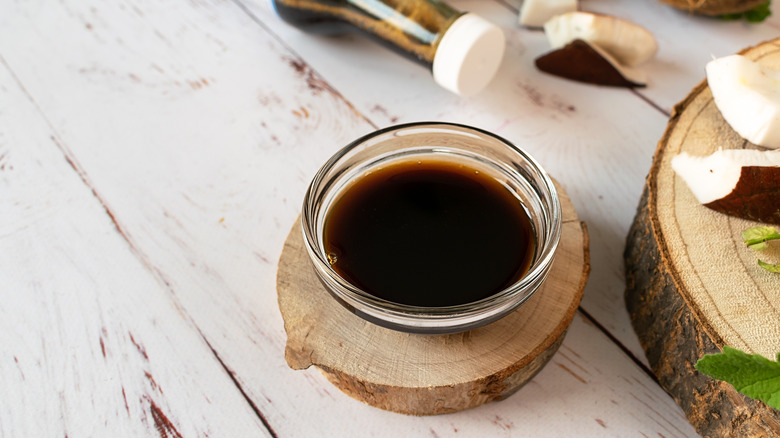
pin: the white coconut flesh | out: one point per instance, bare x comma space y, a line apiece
632, 74
534, 13
630, 44
748, 96
715, 176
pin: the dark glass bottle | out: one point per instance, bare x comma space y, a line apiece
462, 50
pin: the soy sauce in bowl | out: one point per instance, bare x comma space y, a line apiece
431, 227
429, 233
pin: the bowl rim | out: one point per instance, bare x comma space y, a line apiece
422, 318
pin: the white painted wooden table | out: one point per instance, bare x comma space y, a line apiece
154, 155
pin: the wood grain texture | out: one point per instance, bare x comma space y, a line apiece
600, 161
674, 340
198, 126
93, 345
693, 287
424, 374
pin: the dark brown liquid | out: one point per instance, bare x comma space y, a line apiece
429, 233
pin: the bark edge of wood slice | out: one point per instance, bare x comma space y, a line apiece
430, 374
714, 7
691, 284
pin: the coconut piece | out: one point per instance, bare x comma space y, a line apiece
534, 13
748, 96
738, 182
629, 43
584, 62
714, 7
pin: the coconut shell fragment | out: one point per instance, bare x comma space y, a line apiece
738, 182
628, 43
756, 196
583, 62
747, 94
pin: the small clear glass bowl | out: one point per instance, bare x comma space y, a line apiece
511, 166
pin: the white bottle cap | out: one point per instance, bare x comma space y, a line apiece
469, 55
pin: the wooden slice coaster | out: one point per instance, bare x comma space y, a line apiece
429, 374
692, 285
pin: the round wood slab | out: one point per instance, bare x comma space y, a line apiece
692, 285
429, 374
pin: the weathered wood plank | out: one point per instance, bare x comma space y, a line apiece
597, 141
93, 345
199, 131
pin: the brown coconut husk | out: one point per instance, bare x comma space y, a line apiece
756, 196
714, 7
581, 61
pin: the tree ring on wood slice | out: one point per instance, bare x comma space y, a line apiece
430, 374
692, 286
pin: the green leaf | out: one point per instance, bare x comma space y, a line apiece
770, 267
760, 246
756, 237
755, 15
759, 13
751, 374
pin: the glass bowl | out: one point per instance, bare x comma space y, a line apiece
513, 168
